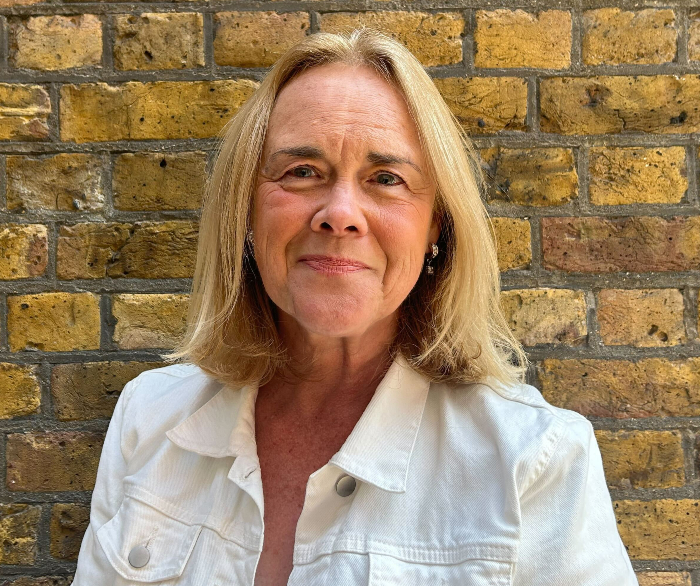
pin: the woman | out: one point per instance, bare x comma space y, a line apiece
352, 410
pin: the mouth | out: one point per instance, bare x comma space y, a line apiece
334, 265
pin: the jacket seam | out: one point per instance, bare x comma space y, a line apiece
548, 460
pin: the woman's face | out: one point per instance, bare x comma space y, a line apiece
343, 211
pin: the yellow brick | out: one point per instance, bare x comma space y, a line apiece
612, 104
627, 175
20, 391
53, 322
612, 36
515, 38
159, 181
485, 105
66, 182
535, 176
19, 529
435, 39
56, 42
663, 578
90, 390
238, 36
694, 35
159, 41
24, 112
645, 318
652, 387
153, 110
145, 250
24, 251
149, 320
642, 459
512, 243
663, 529
68, 524
546, 316
52, 461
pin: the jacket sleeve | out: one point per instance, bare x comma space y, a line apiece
93, 567
569, 533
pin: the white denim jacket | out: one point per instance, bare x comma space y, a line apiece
469, 485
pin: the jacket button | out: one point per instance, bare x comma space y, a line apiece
139, 556
345, 485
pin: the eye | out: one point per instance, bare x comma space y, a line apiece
385, 178
303, 171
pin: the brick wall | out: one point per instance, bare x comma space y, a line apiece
585, 121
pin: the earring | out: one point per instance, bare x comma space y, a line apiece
428, 266
249, 239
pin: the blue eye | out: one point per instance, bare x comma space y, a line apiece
393, 179
307, 172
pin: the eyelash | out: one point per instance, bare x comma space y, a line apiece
400, 180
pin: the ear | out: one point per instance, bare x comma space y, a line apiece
434, 232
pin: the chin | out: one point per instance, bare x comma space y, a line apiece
337, 317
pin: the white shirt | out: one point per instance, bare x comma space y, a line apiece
469, 485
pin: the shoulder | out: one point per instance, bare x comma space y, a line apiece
526, 428
158, 399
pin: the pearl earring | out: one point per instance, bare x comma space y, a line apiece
428, 266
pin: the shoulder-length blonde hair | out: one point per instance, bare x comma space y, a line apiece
451, 326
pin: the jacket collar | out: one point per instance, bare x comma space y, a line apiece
377, 451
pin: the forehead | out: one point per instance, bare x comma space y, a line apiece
340, 98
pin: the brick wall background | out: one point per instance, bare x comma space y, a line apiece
587, 119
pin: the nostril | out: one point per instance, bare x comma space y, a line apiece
352, 228
326, 225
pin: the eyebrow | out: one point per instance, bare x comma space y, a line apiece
310, 152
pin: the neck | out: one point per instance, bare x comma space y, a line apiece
331, 372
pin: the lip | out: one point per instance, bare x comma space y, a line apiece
332, 264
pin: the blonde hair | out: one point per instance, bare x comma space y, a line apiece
451, 326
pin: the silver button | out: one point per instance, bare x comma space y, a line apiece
345, 485
139, 556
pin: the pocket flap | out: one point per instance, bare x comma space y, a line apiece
169, 542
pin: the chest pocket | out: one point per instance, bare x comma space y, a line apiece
385, 570
145, 545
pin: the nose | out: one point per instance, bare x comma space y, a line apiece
341, 212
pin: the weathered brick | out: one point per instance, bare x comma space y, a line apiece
641, 317
627, 175
613, 104
663, 529
41, 581
237, 40
19, 526
642, 459
535, 177
20, 391
24, 251
68, 525
144, 250
24, 112
515, 38
637, 244
149, 320
652, 387
53, 322
612, 36
153, 110
512, 243
694, 35
435, 39
546, 316
485, 105
159, 181
10, 3
56, 42
151, 40
90, 390
54, 461
663, 578
64, 182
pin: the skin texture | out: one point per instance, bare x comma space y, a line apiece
323, 189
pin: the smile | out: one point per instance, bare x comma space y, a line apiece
332, 265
